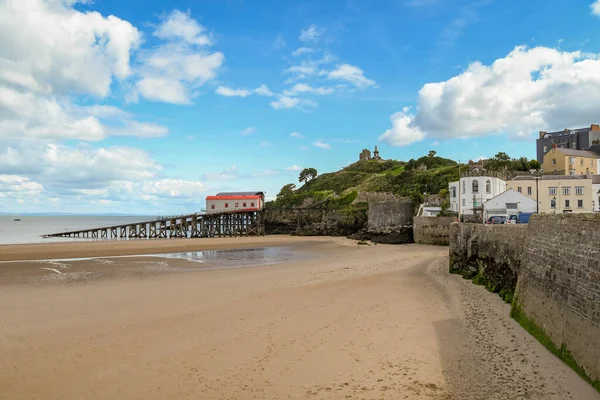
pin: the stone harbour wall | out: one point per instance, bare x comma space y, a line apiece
432, 230
559, 285
489, 254
550, 272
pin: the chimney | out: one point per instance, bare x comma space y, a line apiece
542, 133
595, 127
554, 146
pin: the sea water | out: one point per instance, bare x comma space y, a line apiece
29, 229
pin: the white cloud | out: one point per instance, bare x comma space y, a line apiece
322, 144
262, 90
352, 74
172, 71
64, 169
302, 71
293, 168
403, 132
526, 91
248, 131
311, 34
266, 143
302, 50
48, 47
179, 25
304, 88
140, 129
297, 135
287, 102
228, 92
29, 115
19, 187
595, 6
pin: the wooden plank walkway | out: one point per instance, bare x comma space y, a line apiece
244, 223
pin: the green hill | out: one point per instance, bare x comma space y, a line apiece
413, 179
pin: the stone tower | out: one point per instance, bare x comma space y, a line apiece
376, 154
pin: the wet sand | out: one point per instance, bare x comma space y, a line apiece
362, 322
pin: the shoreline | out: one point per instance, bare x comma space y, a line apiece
61, 250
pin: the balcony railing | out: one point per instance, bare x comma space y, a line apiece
490, 174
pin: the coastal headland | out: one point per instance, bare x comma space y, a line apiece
341, 320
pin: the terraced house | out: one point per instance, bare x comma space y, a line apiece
571, 162
560, 193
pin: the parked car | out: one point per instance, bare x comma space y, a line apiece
520, 218
496, 219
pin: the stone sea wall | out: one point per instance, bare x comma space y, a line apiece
559, 285
550, 272
432, 230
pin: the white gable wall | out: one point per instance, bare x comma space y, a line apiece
509, 202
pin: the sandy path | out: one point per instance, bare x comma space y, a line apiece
379, 322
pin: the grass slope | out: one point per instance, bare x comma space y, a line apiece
398, 177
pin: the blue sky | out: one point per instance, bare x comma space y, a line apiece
148, 106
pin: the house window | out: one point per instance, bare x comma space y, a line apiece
488, 186
252, 204
578, 189
579, 203
572, 160
464, 187
552, 203
572, 145
552, 190
567, 203
244, 204
212, 207
237, 205
554, 161
572, 172
519, 189
545, 149
581, 162
226, 205
529, 191
464, 202
475, 186
453, 192
567, 190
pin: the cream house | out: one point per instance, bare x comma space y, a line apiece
558, 193
571, 162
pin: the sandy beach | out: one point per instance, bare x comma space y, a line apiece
348, 322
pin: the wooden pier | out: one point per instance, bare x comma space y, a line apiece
230, 224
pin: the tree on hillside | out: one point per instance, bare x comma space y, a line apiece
307, 174
431, 153
286, 194
534, 164
500, 162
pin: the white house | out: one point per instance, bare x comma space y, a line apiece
428, 211
508, 203
473, 189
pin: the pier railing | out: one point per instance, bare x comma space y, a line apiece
196, 225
